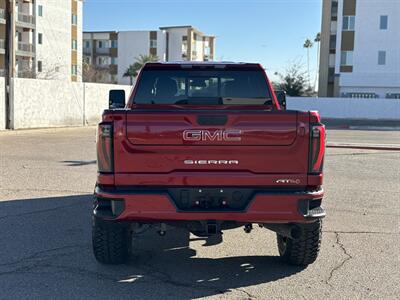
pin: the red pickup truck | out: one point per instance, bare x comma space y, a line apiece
205, 146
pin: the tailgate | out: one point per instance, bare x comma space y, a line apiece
181, 145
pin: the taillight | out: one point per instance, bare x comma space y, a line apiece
105, 159
317, 148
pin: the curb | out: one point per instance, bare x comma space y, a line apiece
364, 146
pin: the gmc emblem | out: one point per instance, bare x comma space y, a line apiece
216, 135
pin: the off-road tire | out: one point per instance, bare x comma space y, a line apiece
304, 250
112, 243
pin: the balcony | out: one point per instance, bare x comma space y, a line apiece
2, 16
26, 21
103, 51
87, 50
25, 49
2, 46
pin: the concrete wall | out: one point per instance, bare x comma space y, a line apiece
96, 100
55, 103
2, 104
346, 108
46, 103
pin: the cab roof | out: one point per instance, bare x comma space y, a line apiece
202, 65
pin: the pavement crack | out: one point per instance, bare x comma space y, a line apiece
39, 253
248, 295
38, 262
342, 263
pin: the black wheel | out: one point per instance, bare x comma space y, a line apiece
304, 250
112, 243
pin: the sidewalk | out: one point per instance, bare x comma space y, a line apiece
362, 124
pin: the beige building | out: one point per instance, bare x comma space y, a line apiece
360, 46
110, 53
41, 39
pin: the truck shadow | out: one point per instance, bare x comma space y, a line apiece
78, 163
46, 239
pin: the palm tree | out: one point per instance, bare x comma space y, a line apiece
318, 41
308, 45
140, 61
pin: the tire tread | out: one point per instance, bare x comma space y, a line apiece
304, 250
111, 243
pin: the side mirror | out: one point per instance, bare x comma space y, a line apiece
116, 99
281, 96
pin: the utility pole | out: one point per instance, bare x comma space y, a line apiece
9, 59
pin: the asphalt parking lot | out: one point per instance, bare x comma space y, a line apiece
47, 177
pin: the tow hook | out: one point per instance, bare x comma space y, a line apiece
248, 228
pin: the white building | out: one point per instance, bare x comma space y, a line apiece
360, 49
47, 38
113, 52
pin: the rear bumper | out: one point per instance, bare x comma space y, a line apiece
155, 205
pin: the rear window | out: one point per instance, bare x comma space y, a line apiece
203, 87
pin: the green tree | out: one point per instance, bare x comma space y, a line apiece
308, 44
293, 81
140, 61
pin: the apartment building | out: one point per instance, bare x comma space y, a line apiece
110, 53
46, 39
360, 49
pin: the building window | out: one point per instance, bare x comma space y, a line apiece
102, 60
87, 44
40, 38
334, 9
40, 10
39, 66
332, 41
74, 44
184, 46
74, 19
114, 61
384, 23
346, 58
153, 43
382, 58
103, 44
349, 23
74, 70
114, 43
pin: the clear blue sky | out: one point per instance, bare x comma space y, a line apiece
271, 32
